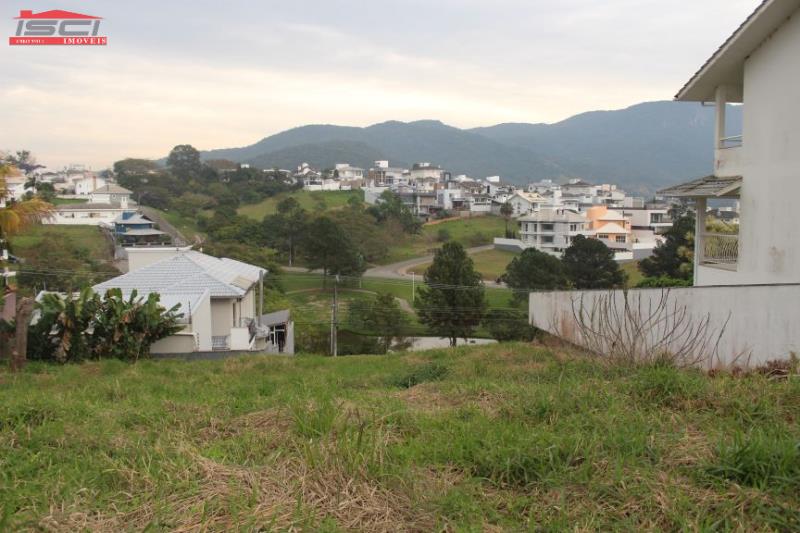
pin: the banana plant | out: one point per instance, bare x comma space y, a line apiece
66, 324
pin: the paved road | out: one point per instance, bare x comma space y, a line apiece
400, 269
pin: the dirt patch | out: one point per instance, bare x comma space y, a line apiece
427, 397
271, 421
288, 495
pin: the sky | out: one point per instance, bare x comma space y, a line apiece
222, 74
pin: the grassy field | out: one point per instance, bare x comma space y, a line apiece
89, 237
475, 231
631, 269
311, 201
508, 437
186, 225
491, 263
292, 281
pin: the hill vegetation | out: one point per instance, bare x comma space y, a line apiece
641, 148
505, 437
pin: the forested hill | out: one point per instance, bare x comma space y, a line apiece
641, 148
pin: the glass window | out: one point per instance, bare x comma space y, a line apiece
547, 227
547, 239
620, 238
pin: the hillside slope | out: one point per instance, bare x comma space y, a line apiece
511, 437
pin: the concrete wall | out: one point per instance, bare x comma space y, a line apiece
201, 324
769, 249
221, 316
183, 342
141, 257
757, 323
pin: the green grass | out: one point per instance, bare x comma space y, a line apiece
292, 281
310, 200
631, 269
491, 264
509, 437
89, 237
186, 225
470, 232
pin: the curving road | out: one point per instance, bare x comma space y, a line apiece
400, 269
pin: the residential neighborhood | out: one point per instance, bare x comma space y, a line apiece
526, 267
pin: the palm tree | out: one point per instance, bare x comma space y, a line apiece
16, 216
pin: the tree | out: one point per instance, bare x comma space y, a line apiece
184, 162
87, 326
391, 207
287, 226
453, 303
534, 270
509, 325
380, 316
328, 247
16, 216
673, 257
506, 210
590, 264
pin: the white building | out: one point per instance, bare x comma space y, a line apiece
759, 66
218, 298
525, 203
346, 172
88, 183
743, 307
104, 206
552, 230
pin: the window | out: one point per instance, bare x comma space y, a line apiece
621, 238
547, 227
602, 236
548, 239
573, 227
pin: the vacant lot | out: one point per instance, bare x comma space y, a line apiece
507, 437
89, 238
490, 263
475, 231
312, 201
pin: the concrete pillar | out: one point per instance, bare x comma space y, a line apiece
719, 129
699, 232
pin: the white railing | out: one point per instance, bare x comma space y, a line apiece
730, 142
220, 342
720, 249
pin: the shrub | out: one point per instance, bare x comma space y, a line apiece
509, 325
419, 374
663, 281
443, 235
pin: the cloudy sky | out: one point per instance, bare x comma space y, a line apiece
219, 74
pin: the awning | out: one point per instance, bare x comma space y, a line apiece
707, 187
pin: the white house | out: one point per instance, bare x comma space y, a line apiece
552, 230
743, 307
111, 193
525, 203
88, 184
220, 301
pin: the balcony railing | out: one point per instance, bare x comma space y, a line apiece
730, 142
220, 343
720, 249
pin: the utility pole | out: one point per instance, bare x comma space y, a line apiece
20, 352
334, 319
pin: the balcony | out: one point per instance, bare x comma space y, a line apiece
728, 157
720, 250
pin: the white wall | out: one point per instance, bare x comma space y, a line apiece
761, 319
769, 248
80, 217
201, 324
141, 257
221, 316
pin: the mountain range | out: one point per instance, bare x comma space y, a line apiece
640, 148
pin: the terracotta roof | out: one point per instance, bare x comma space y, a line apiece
707, 187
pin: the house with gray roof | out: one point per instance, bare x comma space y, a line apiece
220, 301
